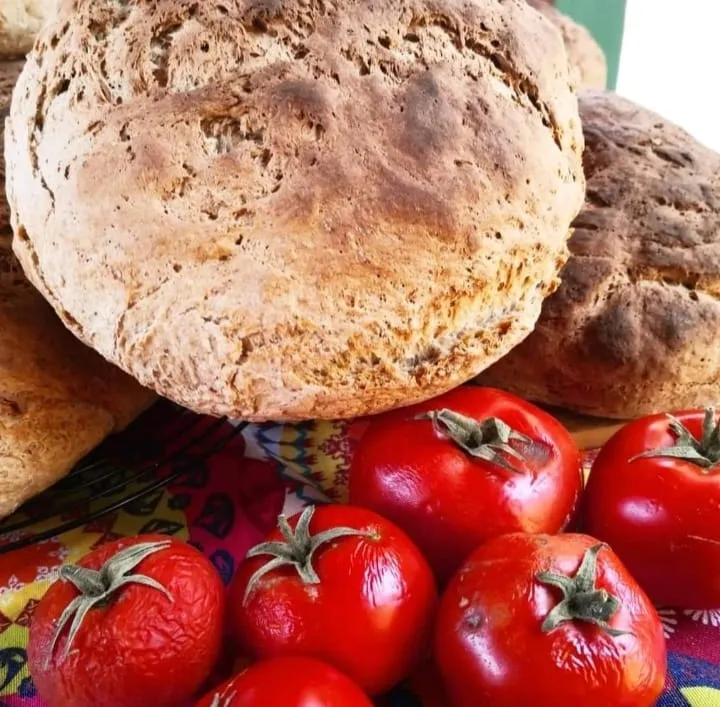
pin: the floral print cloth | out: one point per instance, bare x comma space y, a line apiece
228, 504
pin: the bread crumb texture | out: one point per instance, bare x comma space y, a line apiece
297, 209
633, 328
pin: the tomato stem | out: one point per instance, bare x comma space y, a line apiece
223, 700
96, 587
487, 439
582, 600
704, 452
296, 550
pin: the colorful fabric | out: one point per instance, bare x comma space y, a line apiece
229, 504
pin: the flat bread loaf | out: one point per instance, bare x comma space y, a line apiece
20, 21
586, 57
58, 399
290, 210
634, 327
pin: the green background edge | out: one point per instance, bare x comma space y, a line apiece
606, 20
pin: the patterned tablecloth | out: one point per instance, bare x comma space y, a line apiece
229, 504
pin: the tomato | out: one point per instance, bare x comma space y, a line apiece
289, 682
661, 512
139, 622
340, 584
548, 620
463, 468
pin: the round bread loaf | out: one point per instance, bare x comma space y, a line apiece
289, 210
586, 57
633, 328
20, 21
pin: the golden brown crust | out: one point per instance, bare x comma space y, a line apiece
633, 328
58, 399
585, 55
296, 209
20, 21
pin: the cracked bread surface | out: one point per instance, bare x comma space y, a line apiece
58, 399
633, 329
297, 209
586, 57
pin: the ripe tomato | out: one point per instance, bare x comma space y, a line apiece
463, 468
292, 682
654, 496
345, 586
139, 622
548, 620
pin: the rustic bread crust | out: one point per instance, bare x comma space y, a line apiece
20, 21
633, 328
586, 57
289, 210
58, 399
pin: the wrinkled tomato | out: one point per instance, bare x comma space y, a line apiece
138, 622
545, 621
463, 468
340, 584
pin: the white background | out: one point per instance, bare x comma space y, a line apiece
670, 62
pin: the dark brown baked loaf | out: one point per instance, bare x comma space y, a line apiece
634, 327
287, 210
586, 57
58, 399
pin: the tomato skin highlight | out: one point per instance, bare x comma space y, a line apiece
491, 649
449, 502
288, 682
660, 515
370, 615
140, 649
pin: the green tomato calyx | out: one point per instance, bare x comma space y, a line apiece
487, 439
582, 600
97, 587
704, 452
297, 549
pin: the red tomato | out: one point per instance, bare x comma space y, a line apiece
661, 513
548, 620
150, 627
345, 586
456, 481
289, 682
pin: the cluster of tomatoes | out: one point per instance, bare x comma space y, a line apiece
453, 557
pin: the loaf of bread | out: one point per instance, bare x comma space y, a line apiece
290, 210
634, 327
58, 399
20, 21
586, 57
